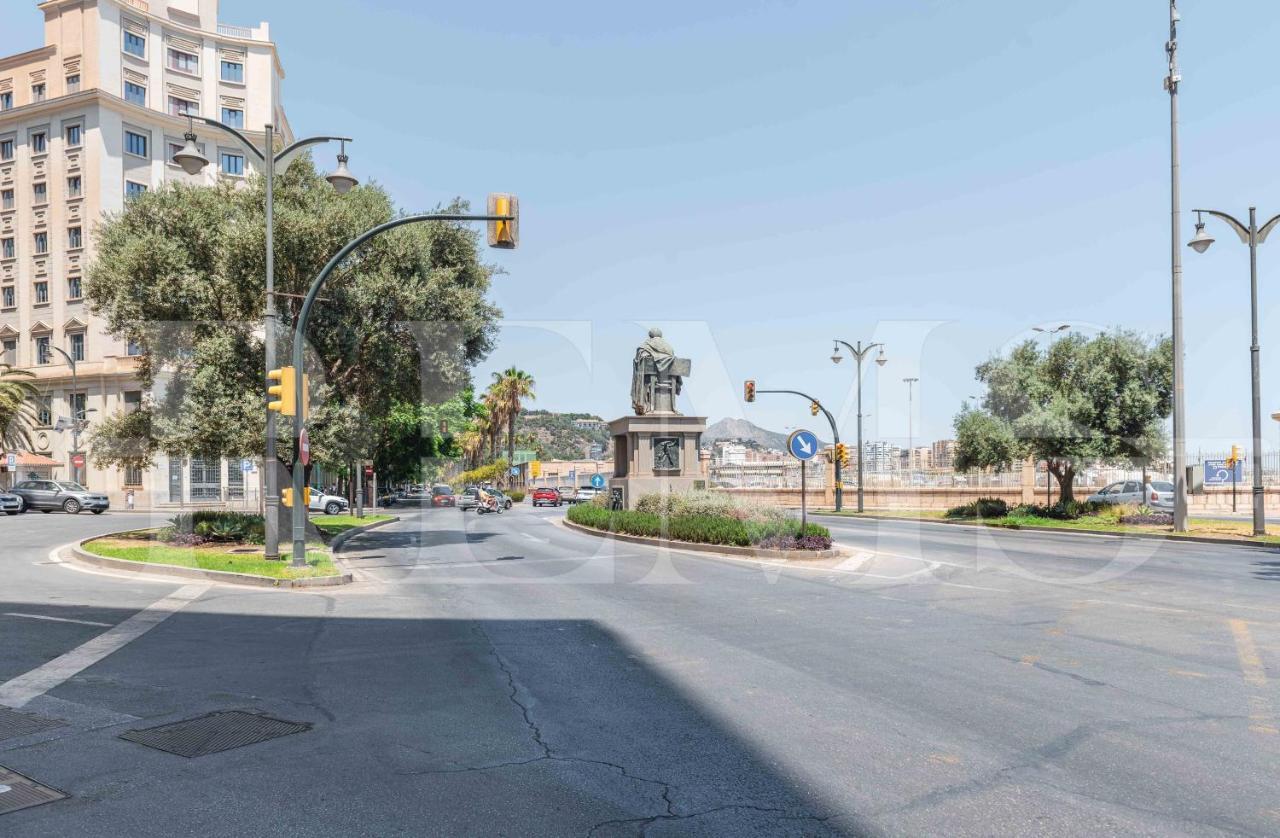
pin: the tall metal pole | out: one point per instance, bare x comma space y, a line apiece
1259, 499
911, 383
270, 463
1179, 390
859, 354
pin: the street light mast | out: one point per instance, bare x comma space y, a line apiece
1171, 84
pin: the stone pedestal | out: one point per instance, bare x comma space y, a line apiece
657, 452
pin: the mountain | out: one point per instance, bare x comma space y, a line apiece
744, 430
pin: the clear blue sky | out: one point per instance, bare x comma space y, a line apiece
758, 177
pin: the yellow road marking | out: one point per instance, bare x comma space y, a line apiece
1255, 675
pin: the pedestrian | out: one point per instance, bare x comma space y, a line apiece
128, 500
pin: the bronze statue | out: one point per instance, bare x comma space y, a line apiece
657, 376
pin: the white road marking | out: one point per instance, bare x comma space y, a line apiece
55, 619
18, 691
975, 587
1136, 605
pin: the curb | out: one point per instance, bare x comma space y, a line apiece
1151, 536
79, 554
346, 535
720, 549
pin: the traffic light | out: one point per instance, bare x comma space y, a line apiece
282, 391
504, 234
1236, 456
286, 497
814, 407
842, 454
749, 390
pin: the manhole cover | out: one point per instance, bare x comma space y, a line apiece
19, 792
14, 724
213, 733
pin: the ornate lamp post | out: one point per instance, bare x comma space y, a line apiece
859, 352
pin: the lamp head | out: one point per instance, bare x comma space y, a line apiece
1201, 241
341, 178
836, 357
880, 359
190, 158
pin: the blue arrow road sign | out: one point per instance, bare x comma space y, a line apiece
803, 445
597, 481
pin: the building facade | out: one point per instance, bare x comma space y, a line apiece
88, 121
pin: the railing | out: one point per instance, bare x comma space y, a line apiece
233, 31
140, 5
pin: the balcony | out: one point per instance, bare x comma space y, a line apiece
247, 33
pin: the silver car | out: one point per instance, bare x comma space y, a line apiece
10, 504
1158, 494
48, 495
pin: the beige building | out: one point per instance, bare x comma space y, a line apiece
87, 121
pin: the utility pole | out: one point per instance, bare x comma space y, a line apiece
859, 352
911, 453
1171, 83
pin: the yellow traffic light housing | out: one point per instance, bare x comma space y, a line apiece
282, 391
286, 497
842, 454
749, 390
814, 407
504, 234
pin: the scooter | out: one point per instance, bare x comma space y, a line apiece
491, 505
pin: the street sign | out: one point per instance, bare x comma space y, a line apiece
1219, 473
803, 444
368, 472
304, 448
597, 481
11, 461
515, 471
535, 468
77, 460
246, 466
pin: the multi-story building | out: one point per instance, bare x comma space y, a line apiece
881, 457
944, 454
728, 452
88, 121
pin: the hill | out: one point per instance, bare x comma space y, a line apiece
742, 429
555, 436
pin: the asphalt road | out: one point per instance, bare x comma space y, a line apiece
501, 675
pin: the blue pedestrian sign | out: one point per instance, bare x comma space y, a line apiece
246, 466
1218, 473
597, 481
803, 445
515, 471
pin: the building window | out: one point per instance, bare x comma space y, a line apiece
133, 189
10, 348
78, 402
183, 62
132, 476
10, 297
6, 249
42, 352
235, 481
135, 144
44, 408
39, 143
6, 199
181, 107
40, 193
75, 288
73, 83
42, 292
37, 93
175, 480
73, 135
233, 117
75, 238
133, 349
132, 401
233, 71
206, 478
77, 346
232, 164
42, 243
6, 100
135, 44
135, 93
74, 185
6, 149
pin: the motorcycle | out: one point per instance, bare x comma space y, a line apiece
490, 505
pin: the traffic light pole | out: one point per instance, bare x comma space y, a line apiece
299, 517
835, 433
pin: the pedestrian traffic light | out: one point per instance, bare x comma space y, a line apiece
814, 407
749, 390
282, 391
504, 234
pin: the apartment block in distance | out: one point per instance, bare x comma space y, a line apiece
87, 122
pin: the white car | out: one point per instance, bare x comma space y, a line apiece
1158, 495
586, 492
328, 504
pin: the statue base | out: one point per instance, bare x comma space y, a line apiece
655, 453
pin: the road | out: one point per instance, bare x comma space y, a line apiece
501, 675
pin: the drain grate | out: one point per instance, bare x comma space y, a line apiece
19, 792
14, 724
216, 732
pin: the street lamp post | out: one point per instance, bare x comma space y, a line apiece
859, 352
1252, 235
1171, 83
75, 420
911, 383
507, 218
193, 162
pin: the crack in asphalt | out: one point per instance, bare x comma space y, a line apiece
645, 823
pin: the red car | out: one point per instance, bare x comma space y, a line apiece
442, 496
546, 496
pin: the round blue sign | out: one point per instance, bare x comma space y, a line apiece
597, 481
803, 445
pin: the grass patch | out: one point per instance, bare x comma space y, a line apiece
332, 525
142, 547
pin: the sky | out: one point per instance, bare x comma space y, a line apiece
757, 178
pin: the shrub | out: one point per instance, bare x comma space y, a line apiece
980, 508
705, 503
700, 529
516, 496
1071, 511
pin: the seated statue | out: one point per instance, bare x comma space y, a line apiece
657, 376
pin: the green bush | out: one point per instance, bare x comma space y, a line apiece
216, 525
1071, 511
980, 508
516, 496
699, 529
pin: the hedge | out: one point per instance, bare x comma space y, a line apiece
699, 529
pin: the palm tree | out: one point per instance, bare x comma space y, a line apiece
495, 413
17, 407
472, 443
512, 386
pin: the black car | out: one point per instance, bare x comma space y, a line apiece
48, 495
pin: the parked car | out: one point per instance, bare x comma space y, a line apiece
48, 495
442, 495
568, 494
586, 492
328, 504
546, 496
1158, 494
10, 504
469, 499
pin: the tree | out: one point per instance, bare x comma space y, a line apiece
1078, 401
511, 387
180, 272
17, 413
